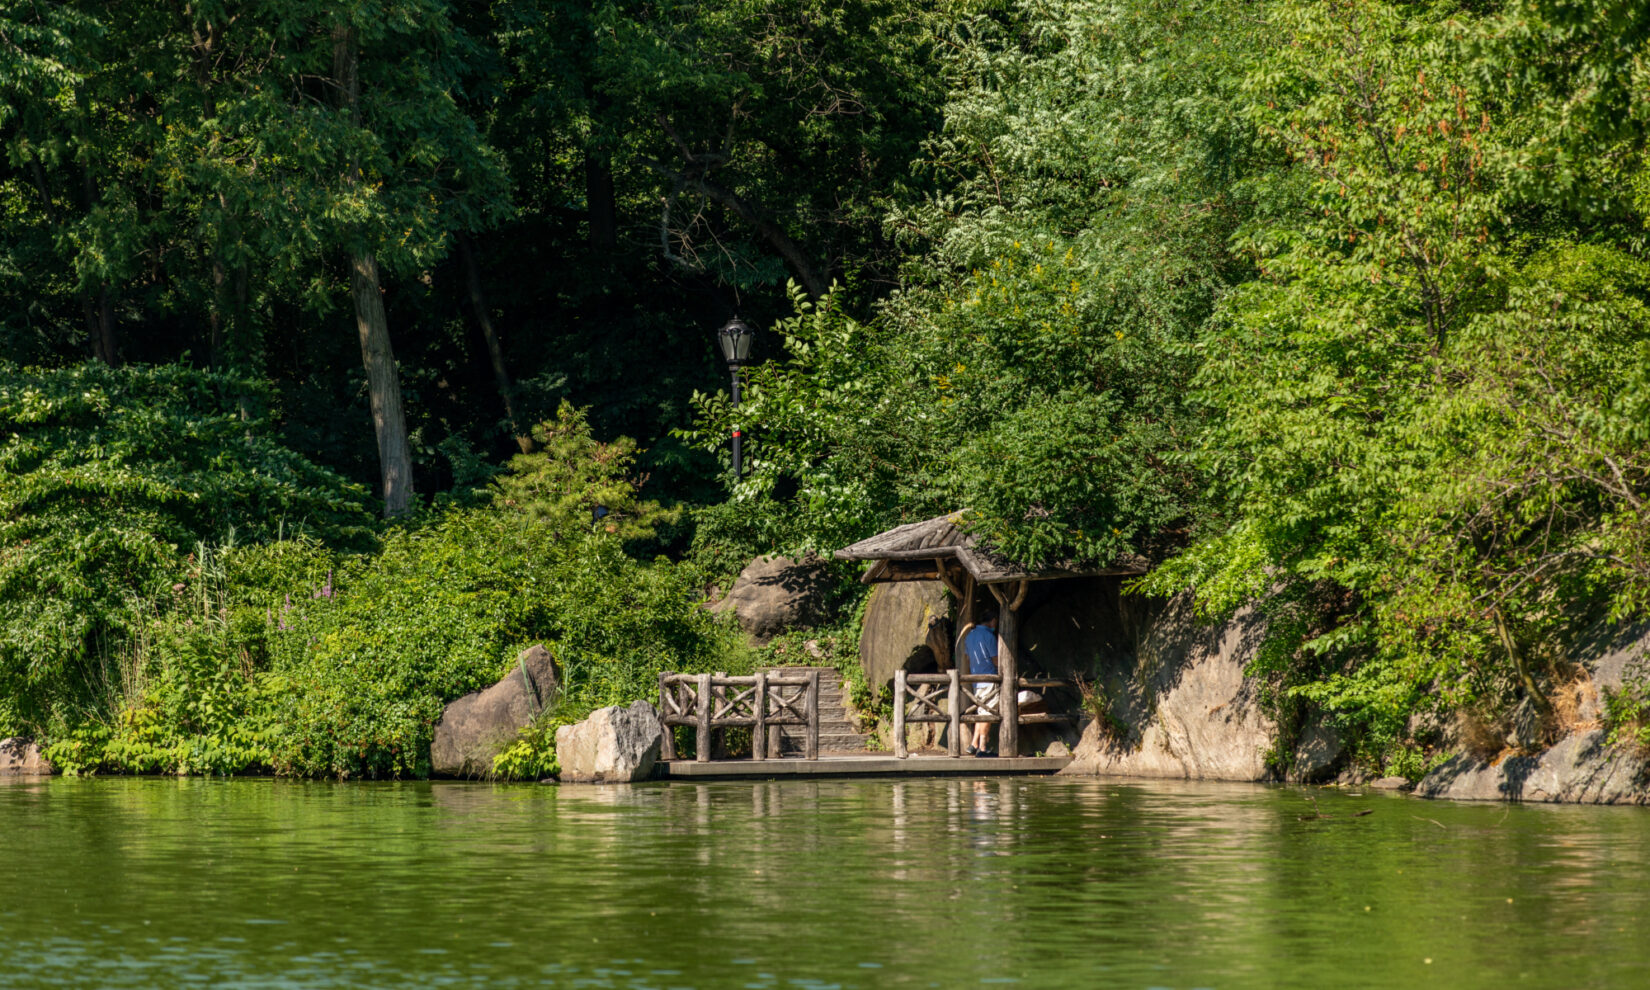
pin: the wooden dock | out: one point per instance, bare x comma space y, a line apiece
861, 765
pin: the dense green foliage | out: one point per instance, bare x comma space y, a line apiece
295, 657
1335, 310
1331, 309
107, 480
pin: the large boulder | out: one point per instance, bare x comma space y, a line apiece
904, 621
774, 594
1179, 705
613, 746
479, 726
20, 757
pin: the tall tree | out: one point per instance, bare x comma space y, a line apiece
371, 324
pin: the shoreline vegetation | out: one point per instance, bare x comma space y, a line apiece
345, 355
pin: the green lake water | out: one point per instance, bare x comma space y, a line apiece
1041, 882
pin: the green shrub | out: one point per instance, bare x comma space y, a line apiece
106, 477
1627, 715
294, 657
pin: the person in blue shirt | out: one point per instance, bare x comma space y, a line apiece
980, 647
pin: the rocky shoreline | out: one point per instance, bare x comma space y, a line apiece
1181, 707
1166, 697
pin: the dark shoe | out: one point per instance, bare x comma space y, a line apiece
983, 753
973, 752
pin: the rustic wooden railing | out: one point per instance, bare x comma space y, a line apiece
952, 698
762, 702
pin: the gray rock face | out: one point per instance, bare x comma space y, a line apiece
613, 746
774, 594
1524, 726
477, 727
1579, 769
1611, 658
900, 619
1319, 753
20, 757
1389, 784
1180, 706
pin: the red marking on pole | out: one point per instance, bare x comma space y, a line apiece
737, 433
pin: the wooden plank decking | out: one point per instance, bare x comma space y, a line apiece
862, 765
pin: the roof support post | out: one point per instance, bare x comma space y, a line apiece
949, 661
1008, 665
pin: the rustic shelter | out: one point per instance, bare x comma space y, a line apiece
942, 549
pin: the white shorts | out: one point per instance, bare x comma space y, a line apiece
987, 694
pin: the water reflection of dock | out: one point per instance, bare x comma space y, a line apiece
863, 765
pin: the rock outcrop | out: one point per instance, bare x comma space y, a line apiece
20, 757
1320, 753
613, 746
1582, 767
1178, 704
904, 620
774, 594
477, 727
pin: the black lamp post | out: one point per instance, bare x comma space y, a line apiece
735, 337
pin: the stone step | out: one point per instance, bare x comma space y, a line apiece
825, 725
842, 744
836, 733
825, 729
829, 740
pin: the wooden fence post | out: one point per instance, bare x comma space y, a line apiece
813, 715
667, 745
703, 753
776, 734
899, 714
953, 733
759, 731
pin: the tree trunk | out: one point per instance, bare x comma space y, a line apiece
383, 383
495, 353
383, 380
215, 319
598, 197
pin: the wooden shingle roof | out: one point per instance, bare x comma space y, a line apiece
918, 551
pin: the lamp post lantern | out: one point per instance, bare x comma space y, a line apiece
735, 337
